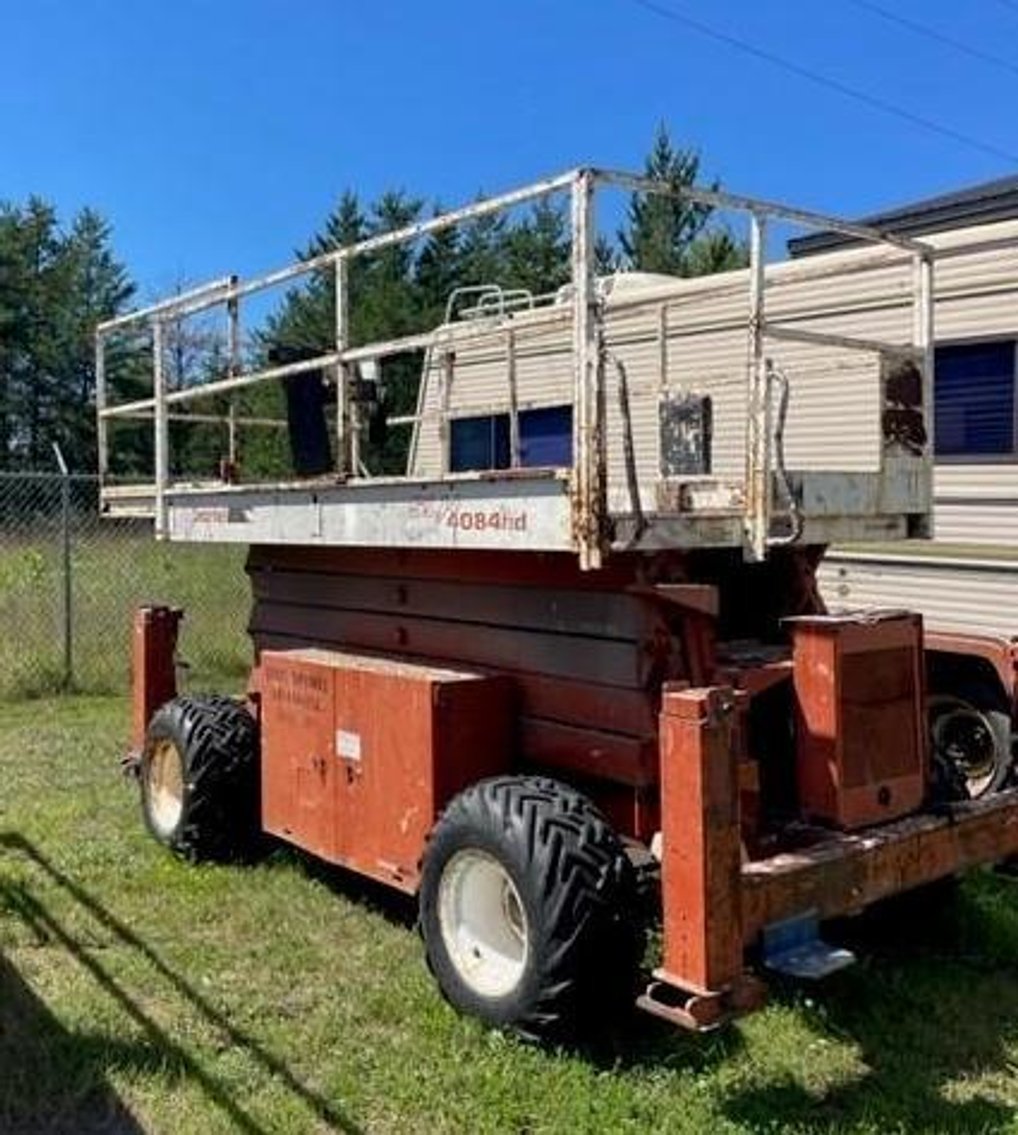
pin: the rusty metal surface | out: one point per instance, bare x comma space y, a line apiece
701, 1012
589, 424
860, 717
849, 871
298, 765
153, 666
360, 753
590, 753
701, 853
586, 651
604, 661
558, 610
685, 424
902, 420
999, 651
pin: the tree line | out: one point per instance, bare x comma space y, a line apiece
57, 282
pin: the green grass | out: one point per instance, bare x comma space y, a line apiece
138, 993
112, 572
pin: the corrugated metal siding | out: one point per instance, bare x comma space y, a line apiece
833, 414
951, 594
977, 504
706, 351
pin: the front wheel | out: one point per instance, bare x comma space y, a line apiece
527, 907
199, 778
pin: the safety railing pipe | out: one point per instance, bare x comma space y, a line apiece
925, 339
758, 206
102, 426
162, 430
341, 279
233, 368
588, 431
207, 295
758, 487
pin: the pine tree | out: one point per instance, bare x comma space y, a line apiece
438, 272
405, 289
715, 250
670, 233
537, 250
55, 285
482, 255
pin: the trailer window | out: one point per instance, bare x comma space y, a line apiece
479, 443
546, 436
546, 439
974, 388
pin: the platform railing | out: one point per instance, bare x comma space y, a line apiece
585, 313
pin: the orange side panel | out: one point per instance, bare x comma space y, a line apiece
859, 717
361, 753
298, 764
700, 868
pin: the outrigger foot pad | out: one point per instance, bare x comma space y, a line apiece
794, 948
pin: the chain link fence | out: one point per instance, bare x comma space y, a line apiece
70, 580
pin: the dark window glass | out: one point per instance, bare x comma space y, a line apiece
974, 393
546, 436
476, 444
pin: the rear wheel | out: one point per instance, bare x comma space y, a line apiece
528, 907
199, 778
970, 735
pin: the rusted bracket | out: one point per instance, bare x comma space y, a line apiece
701, 982
153, 669
703, 1011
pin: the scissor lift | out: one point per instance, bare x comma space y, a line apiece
535, 695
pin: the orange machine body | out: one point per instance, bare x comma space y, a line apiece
360, 753
669, 707
861, 733
153, 666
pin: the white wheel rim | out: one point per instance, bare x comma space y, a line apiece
483, 923
164, 782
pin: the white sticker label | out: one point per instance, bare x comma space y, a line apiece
348, 745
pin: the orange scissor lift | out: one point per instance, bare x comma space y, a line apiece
559, 694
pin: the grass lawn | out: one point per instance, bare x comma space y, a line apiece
140, 994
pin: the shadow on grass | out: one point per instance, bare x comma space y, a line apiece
32, 1044
158, 1051
932, 1005
933, 1002
396, 907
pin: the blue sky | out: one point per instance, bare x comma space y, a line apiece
216, 136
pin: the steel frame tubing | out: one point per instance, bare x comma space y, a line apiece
715, 906
153, 666
589, 440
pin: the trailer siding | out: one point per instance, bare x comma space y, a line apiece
952, 594
833, 421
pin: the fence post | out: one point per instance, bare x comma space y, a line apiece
66, 609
